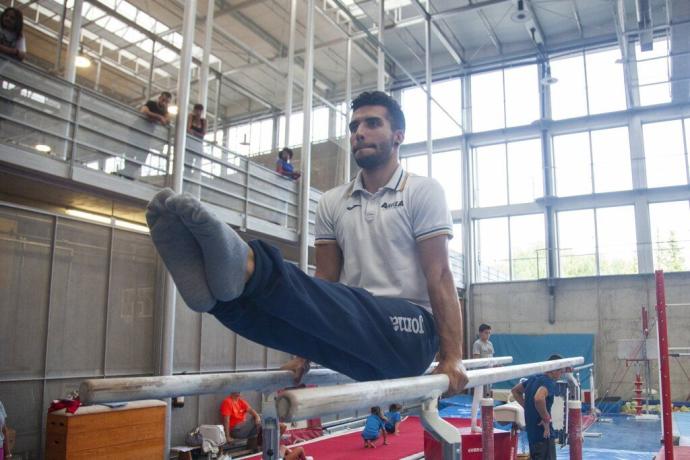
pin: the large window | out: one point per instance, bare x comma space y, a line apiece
588, 83
505, 98
446, 168
597, 241
510, 248
251, 138
653, 73
670, 224
592, 162
413, 102
665, 148
508, 173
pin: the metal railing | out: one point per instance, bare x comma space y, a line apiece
48, 116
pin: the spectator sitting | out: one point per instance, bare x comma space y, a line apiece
393, 419
236, 423
283, 165
196, 123
158, 110
373, 426
12, 41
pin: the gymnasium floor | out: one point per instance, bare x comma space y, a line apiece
622, 438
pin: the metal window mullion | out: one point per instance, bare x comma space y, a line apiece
591, 161
510, 251
505, 103
596, 242
107, 302
685, 147
75, 131
584, 63
47, 333
505, 155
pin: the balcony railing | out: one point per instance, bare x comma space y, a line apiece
47, 116
54, 120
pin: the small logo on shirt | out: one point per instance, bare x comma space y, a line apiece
350, 208
408, 324
392, 204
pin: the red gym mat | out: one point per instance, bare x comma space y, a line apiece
348, 446
679, 453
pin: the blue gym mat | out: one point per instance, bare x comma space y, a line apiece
622, 438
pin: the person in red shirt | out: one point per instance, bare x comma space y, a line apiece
236, 421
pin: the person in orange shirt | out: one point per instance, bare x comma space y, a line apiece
236, 422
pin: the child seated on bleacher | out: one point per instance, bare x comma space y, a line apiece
374, 425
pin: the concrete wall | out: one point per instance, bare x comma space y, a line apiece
608, 307
325, 165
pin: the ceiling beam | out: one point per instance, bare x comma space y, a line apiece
164, 43
576, 15
455, 54
490, 31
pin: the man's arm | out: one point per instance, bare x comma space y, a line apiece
162, 119
226, 427
255, 414
329, 262
540, 403
433, 255
518, 392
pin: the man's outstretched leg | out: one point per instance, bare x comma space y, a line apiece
227, 259
180, 253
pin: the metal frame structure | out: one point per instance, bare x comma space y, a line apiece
300, 404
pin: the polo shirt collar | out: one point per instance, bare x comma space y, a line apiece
395, 183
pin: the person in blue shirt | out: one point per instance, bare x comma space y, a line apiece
393, 419
284, 166
374, 425
536, 395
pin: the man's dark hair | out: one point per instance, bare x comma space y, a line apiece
166, 94
394, 407
555, 356
396, 116
484, 327
198, 106
287, 151
18, 24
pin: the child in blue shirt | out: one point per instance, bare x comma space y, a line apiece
393, 419
373, 426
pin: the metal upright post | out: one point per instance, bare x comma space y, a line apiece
61, 36
152, 64
487, 429
348, 100
306, 138
665, 376
427, 65
73, 47
381, 61
575, 429
208, 44
290, 71
183, 81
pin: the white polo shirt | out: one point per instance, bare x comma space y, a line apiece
378, 233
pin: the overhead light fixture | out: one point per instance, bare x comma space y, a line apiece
548, 79
89, 216
244, 140
521, 14
82, 62
43, 148
172, 110
131, 226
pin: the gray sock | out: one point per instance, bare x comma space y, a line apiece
180, 253
225, 253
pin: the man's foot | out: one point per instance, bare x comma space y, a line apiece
224, 252
180, 253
